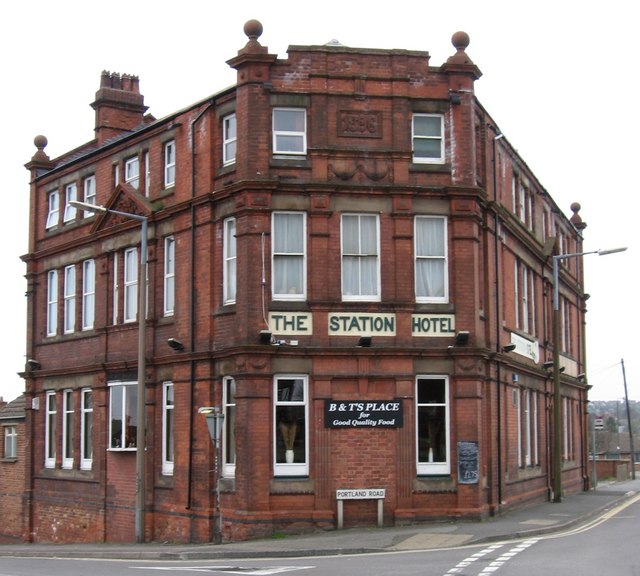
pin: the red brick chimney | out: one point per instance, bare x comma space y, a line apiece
119, 105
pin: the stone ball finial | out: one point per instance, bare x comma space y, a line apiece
576, 219
253, 29
460, 40
40, 142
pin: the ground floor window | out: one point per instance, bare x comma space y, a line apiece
432, 426
229, 436
123, 424
291, 426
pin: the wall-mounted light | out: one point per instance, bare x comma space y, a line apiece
266, 337
462, 338
548, 364
515, 378
175, 345
33, 364
582, 377
364, 342
509, 348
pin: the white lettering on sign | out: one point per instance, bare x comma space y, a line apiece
360, 494
355, 324
433, 325
290, 323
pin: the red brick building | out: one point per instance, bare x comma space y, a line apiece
346, 257
12, 469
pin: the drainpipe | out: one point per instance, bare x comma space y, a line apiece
496, 223
192, 321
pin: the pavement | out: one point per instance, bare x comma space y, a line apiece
528, 522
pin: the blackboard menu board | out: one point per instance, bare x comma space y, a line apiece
468, 463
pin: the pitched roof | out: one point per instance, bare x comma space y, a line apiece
14, 409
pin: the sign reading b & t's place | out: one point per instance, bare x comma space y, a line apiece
363, 413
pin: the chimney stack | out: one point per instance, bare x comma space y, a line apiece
119, 105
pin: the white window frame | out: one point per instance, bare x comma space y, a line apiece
10, 443
122, 395
359, 257
68, 422
147, 174
296, 289
88, 294
116, 289
281, 135
53, 214
230, 262
86, 429
89, 194
168, 428
50, 436
52, 302
131, 273
169, 163
132, 172
70, 195
69, 299
293, 468
169, 275
421, 259
229, 447
229, 139
427, 468
417, 138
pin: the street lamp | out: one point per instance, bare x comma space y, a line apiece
214, 418
557, 412
142, 307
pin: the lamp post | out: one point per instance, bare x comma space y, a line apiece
142, 339
557, 412
215, 418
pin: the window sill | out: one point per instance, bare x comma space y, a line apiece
292, 485
434, 484
9, 460
440, 168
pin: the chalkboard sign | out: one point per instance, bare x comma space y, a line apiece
467, 462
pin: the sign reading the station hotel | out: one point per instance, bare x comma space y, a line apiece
363, 413
361, 324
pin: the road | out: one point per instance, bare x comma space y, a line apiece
606, 545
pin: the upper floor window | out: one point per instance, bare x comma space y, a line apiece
167, 428
291, 429
289, 131
522, 201
70, 195
52, 302
147, 174
10, 442
89, 185
229, 273
289, 256
428, 138
169, 164
130, 284
169, 275
123, 423
432, 426
229, 139
431, 270
132, 172
53, 215
86, 429
524, 291
69, 299
360, 257
229, 435
88, 294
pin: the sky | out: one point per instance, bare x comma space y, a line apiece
558, 78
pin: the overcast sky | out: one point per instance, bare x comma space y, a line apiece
559, 78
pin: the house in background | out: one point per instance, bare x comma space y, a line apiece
346, 259
12, 469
